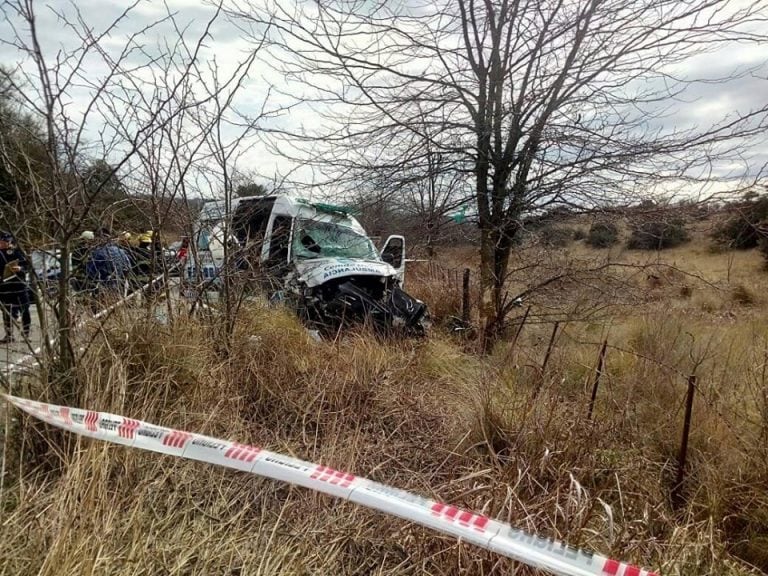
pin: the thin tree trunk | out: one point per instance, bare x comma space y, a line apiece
66, 359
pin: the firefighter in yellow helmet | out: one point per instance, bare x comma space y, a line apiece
145, 240
142, 259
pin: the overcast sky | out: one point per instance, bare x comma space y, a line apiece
699, 105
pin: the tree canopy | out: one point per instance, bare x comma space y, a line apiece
543, 103
251, 189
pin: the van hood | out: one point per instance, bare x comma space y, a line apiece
316, 271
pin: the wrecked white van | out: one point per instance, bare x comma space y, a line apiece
316, 257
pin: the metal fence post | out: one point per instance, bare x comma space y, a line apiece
599, 372
681, 459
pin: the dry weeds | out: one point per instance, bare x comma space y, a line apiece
422, 415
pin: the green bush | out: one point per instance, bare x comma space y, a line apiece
603, 235
658, 235
742, 230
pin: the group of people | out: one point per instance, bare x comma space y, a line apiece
103, 267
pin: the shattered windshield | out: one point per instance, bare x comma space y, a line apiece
314, 239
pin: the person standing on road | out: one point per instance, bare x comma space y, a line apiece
107, 268
15, 295
125, 243
142, 259
79, 259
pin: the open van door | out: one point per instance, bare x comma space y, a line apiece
393, 253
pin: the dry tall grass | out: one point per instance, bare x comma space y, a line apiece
421, 415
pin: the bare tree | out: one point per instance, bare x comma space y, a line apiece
544, 103
144, 105
420, 181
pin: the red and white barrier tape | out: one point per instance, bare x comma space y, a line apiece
544, 553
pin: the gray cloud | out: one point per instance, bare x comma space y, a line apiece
719, 89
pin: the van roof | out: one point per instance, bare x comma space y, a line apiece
214, 209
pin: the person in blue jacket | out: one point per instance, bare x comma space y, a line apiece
107, 267
15, 295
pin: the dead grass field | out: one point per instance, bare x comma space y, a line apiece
496, 434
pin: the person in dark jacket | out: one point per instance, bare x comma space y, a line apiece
15, 295
79, 259
141, 261
107, 267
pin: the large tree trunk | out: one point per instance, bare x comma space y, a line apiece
487, 307
495, 247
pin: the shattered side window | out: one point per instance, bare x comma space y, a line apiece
212, 210
315, 239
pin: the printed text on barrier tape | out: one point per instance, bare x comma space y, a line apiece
544, 553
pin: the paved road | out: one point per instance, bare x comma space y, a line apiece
10, 354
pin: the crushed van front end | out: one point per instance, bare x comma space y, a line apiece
332, 294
